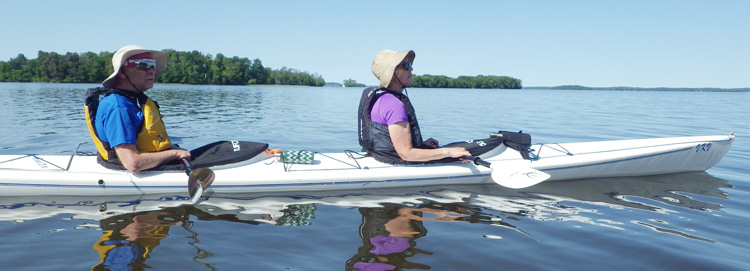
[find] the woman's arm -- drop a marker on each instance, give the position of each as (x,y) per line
(401,138)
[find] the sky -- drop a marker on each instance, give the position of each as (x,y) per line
(595,43)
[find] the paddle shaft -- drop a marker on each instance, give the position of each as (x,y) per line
(478,161)
(188,167)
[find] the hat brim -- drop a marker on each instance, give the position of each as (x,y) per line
(128,51)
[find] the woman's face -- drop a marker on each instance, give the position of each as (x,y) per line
(403,73)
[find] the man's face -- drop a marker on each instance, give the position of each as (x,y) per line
(141,70)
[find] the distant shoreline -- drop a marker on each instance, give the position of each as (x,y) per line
(544,88)
(706,89)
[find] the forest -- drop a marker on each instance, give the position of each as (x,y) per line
(479,81)
(442,81)
(196,68)
(192,68)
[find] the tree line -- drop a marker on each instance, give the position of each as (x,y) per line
(195,68)
(579,87)
(192,68)
(479,81)
(352,83)
(442,81)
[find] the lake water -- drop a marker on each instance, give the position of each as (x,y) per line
(691,221)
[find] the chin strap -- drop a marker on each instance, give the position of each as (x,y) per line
(402,85)
(136,88)
(403,88)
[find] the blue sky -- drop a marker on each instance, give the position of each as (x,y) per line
(681,43)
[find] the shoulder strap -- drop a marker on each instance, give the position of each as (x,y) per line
(365,106)
(91,105)
(93,96)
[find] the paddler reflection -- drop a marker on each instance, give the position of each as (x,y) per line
(389,233)
(128,239)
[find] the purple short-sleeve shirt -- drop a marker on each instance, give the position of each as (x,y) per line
(388,110)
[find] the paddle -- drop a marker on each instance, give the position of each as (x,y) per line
(512,178)
(198,180)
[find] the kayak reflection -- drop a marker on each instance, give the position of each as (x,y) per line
(393,220)
(671,189)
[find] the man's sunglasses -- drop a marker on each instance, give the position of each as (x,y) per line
(406,65)
(142,64)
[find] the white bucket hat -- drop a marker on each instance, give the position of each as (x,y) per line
(384,65)
(126,52)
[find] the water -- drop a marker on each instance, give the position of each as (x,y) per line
(692,221)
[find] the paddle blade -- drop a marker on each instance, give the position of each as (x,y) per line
(199,180)
(196,194)
(517,178)
(206,176)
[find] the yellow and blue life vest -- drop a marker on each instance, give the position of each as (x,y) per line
(152,137)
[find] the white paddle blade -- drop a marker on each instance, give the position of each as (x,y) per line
(198,181)
(195,197)
(517,178)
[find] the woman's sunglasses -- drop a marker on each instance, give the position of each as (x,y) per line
(406,65)
(142,64)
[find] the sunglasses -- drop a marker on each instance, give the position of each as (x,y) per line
(406,65)
(142,64)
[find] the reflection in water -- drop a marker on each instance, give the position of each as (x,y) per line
(129,238)
(389,233)
(671,189)
(392,219)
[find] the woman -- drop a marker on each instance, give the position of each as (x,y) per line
(388,128)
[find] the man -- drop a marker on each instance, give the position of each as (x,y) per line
(127,127)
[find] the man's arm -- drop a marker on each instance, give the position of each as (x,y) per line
(134,161)
(401,138)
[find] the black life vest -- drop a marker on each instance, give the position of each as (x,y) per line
(375,138)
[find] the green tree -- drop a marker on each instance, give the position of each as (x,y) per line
(352,83)
(258,73)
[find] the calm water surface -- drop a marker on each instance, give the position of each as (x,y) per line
(690,221)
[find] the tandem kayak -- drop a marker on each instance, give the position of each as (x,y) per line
(81,174)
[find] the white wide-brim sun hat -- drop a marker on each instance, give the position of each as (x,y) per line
(126,52)
(384,65)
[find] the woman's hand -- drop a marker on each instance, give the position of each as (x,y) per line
(432,143)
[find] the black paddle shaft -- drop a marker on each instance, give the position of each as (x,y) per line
(188,167)
(479,161)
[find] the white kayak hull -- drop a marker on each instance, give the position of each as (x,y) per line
(82,175)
